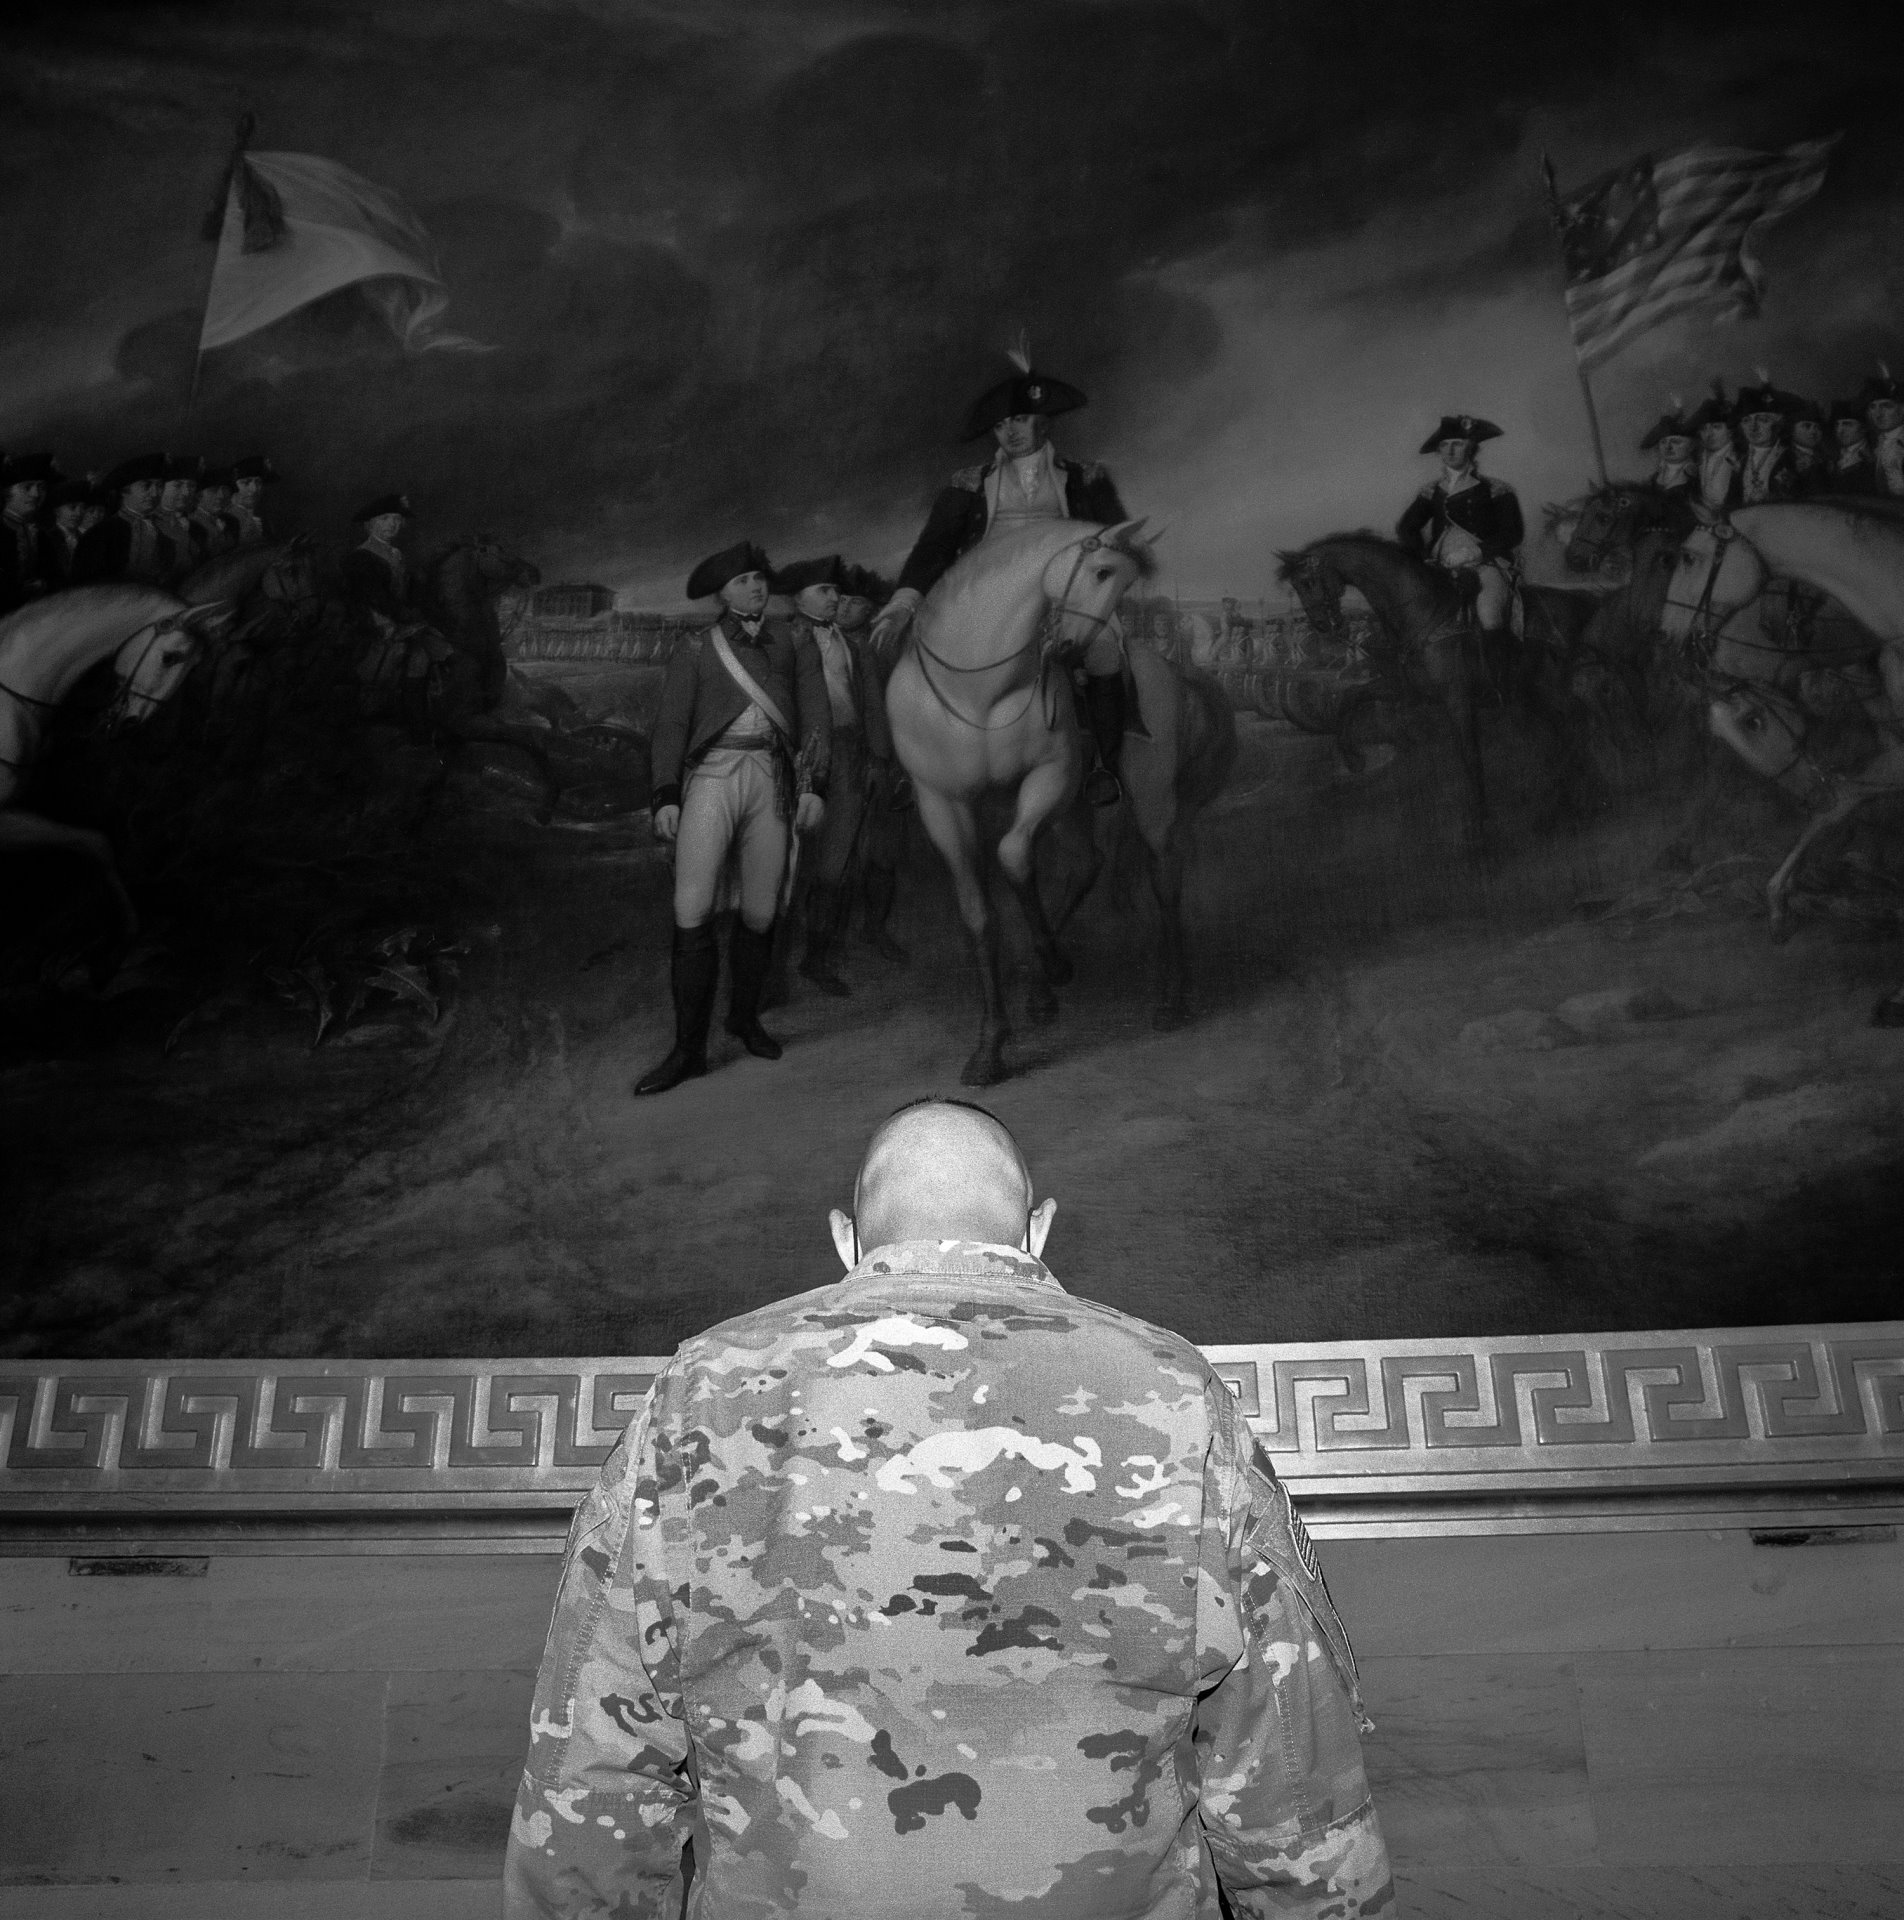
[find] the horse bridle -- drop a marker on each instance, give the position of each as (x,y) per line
(1308,569)
(127,692)
(1701,630)
(1040,638)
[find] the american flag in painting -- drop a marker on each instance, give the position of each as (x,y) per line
(1673,231)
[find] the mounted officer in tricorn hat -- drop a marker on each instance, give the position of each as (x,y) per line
(1760,413)
(1026,479)
(1883,398)
(128,544)
(1467,522)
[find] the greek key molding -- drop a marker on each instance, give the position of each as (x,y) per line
(1403,1419)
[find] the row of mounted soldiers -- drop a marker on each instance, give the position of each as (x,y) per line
(1767,444)
(154,519)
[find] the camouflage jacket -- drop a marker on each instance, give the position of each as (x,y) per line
(941,1592)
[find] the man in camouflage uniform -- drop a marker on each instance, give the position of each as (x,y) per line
(941,1592)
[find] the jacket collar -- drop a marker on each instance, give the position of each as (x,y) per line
(962,1259)
(735,628)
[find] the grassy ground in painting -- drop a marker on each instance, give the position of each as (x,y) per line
(1572,1089)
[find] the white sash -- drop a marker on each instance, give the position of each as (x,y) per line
(748,685)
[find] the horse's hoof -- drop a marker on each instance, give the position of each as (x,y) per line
(1042,1006)
(986,1068)
(1169,1018)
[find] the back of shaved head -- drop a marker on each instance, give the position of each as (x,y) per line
(940,1170)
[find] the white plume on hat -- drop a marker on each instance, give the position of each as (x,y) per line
(1019,352)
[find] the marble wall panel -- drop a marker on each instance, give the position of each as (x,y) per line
(175,1777)
(1741,1756)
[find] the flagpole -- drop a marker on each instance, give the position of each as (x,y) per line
(1579,366)
(214,231)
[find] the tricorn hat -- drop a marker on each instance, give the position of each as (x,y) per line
(718,568)
(1882,385)
(1798,407)
(867,584)
(1027,391)
(385,503)
(144,466)
(1763,398)
(1717,408)
(185,466)
(253,467)
(1670,424)
(19,468)
(1847,410)
(1460,426)
(215,477)
(72,493)
(829,570)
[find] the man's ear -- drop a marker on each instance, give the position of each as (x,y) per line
(1038,1226)
(845,1238)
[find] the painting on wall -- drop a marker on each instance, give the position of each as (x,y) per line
(1307,602)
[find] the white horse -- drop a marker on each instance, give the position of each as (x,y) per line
(978,705)
(152,638)
(1715,605)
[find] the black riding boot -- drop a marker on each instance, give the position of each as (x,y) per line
(877,887)
(694,970)
(823,913)
(748,953)
(1105,713)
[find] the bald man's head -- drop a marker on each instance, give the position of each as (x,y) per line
(943,1171)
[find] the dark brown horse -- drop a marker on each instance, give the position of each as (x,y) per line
(1428,649)
(462,585)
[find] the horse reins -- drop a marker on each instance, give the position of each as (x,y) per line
(1054,609)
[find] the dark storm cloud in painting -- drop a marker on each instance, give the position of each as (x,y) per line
(743,265)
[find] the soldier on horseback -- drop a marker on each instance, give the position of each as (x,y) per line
(1466,522)
(1670,441)
(1851,469)
(128,544)
(1025,480)
(1811,463)
(249,478)
(25,562)
(400,666)
(1767,473)
(1719,460)
(1883,398)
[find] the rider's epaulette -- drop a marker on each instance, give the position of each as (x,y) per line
(1429,491)
(1497,487)
(972,479)
(1091,471)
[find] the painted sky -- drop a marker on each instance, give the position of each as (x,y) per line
(745,264)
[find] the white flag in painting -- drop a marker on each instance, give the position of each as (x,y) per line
(322,227)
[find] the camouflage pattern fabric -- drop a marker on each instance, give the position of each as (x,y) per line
(941,1592)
